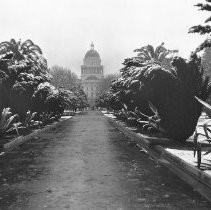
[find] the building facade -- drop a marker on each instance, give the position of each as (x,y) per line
(91,74)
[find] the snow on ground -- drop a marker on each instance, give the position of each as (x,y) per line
(66,117)
(186,153)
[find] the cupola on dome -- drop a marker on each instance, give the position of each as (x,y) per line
(92,52)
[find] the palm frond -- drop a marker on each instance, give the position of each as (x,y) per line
(28,42)
(203,103)
(163,55)
(151,51)
(208,20)
(159,48)
(153,108)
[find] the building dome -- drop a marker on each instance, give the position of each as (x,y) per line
(92,53)
(92,57)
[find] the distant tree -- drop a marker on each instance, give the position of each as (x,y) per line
(63,77)
(203,29)
(109,101)
(105,82)
(160,54)
(79,99)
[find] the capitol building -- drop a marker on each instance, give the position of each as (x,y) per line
(91,74)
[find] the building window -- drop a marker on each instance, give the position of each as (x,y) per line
(92,88)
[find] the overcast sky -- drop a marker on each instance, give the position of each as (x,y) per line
(64,29)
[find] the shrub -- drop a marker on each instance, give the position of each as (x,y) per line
(171,91)
(8,122)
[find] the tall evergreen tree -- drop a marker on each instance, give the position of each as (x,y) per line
(63,77)
(206,61)
(205,28)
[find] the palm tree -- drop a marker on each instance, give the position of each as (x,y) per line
(159,55)
(11,47)
(24,50)
(22,69)
(19,50)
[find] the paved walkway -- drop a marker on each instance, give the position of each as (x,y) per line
(87,164)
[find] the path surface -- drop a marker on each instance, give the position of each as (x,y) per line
(86,164)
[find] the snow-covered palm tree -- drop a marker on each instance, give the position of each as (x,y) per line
(24,50)
(159,54)
(19,49)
